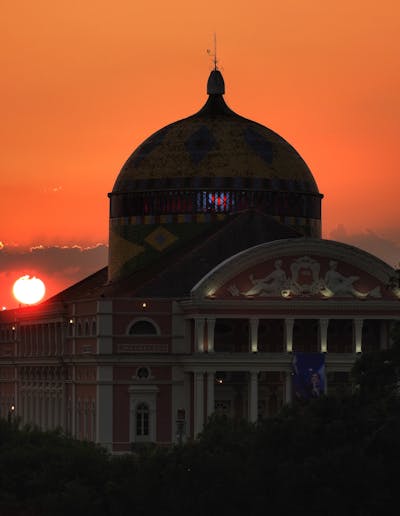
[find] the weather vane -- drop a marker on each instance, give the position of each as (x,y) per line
(214,54)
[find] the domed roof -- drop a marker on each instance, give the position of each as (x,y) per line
(216,143)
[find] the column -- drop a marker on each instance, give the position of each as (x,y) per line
(198,403)
(104,327)
(210,335)
(288,387)
(326,381)
(210,393)
(27,410)
(357,335)
(254,335)
(253,397)
(17,340)
(56,338)
(104,406)
(50,345)
(21,410)
(78,432)
(383,335)
(93,423)
(35,349)
(40,418)
(199,335)
(289,323)
(57,404)
(63,405)
(28,341)
(85,418)
(41,340)
(43,415)
(17,388)
(49,418)
(323,335)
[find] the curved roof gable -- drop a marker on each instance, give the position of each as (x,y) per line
(299,268)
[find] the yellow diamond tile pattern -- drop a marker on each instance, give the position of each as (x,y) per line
(160,238)
(125,251)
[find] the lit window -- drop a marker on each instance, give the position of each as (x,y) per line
(218,200)
(215,201)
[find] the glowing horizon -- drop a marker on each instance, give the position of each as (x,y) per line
(324,76)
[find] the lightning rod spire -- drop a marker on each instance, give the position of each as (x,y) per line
(214,54)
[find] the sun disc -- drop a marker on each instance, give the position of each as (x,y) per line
(29,290)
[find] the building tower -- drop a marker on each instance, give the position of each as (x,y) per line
(189,177)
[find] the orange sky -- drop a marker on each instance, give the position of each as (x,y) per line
(83,83)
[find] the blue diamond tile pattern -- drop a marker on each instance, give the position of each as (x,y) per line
(199,144)
(259,144)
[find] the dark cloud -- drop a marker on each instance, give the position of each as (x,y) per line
(68,260)
(385,248)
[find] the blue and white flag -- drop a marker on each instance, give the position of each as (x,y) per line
(308,375)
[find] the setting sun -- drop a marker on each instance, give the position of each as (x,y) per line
(29,290)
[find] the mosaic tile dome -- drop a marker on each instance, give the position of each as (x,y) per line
(195,175)
(214,143)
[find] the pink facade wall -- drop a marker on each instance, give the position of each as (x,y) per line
(124,378)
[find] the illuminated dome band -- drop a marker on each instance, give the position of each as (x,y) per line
(215,151)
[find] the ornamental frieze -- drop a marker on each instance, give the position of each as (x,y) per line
(303,277)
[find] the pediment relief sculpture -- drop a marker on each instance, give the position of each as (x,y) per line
(305,279)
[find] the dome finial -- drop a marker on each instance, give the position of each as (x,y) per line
(215,84)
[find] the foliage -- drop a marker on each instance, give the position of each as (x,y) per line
(42,470)
(377,374)
(333,455)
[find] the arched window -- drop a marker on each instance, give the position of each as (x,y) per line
(143,327)
(142,420)
(143,373)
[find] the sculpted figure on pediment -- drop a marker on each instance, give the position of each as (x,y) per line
(304,280)
(233,290)
(272,284)
(337,283)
